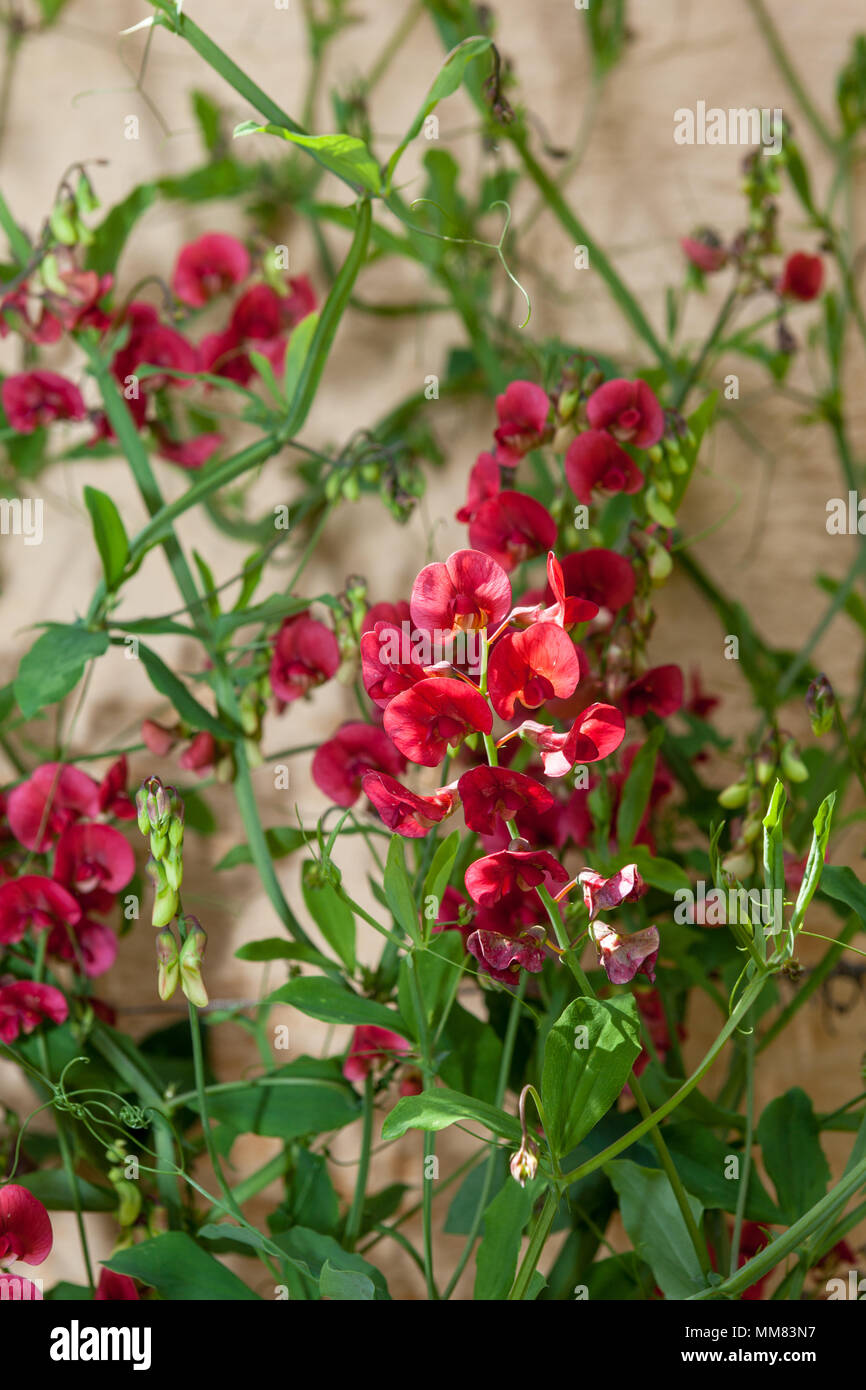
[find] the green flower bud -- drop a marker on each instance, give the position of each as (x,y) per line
(175,832)
(158,844)
(64,223)
(164,907)
(792,764)
(166,955)
(656,454)
(191,953)
(173,864)
(821,704)
(737,794)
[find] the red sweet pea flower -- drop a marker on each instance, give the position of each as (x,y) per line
(434,714)
(564,610)
(299,302)
(113,796)
(595,733)
(79,307)
(208,267)
(157,738)
(403,810)
(305,655)
(31,399)
(115,1288)
(189,453)
(93,858)
(595,460)
(339,765)
(522,412)
(705,252)
(659,689)
(23,1006)
(385,669)
(223,354)
(601,576)
(512,871)
(700,703)
(623,957)
(161,346)
(394,613)
(502,956)
(257,314)
(801,277)
(468,591)
(512,527)
(90,946)
(15,317)
(201,754)
(601,894)
(532,666)
(484,483)
(629,410)
(491,795)
(25,1230)
(372,1047)
(32,901)
(52,797)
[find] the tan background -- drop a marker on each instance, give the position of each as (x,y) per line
(638,192)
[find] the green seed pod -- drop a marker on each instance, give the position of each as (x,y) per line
(656,454)
(737,794)
(164,907)
(191,953)
(173,863)
(129,1205)
(792,764)
(167,957)
(64,223)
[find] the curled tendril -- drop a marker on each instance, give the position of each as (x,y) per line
(474,241)
(133,1116)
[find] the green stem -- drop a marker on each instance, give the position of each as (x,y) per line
(353,1221)
(201,1094)
(540,1232)
(743,1193)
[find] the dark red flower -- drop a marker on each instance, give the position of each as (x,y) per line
(595,460)
(299,302)
(699,702)
(113,796)
(468,591)
(389,663)
(433,715)
(52,797)
(23,1006)
(564,610)
(395,613)
(512,871)
(90,946)
(340,764)
(512,527)
(161,346)
(115,1288)
(371,1048)
(491,795)
(93,859)
(257,314)
(601,894)
(660,689)
(623,957)
(595,734)
(32,399)
(602,576)
(532,666)
(33,901)
(404,811)
(802,276)
(208,267)
(502,957)
(201,754)
(522,411)
(224,354)
(628,409)
(25,1229)
(705,252)
(306,654)
(484,483)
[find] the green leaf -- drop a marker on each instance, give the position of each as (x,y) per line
(659,873)
(345,1285)
(334,919)
(398,890)
(437,968)
(54,1190)
(109,533)
(438,875)
(300,344)
(207,114)
(434,1110)
(698,422)
(701,1160)
(331,1002)
(656,1228)
(277,948)
(842,884)
(317,1250)
(345,155)
(814,862)
(589,1053)
(790,1141)
(55,664)
(504,1222)
(187,706)
(308,1096)
(109,238)
(180,1270)
(636,791)
(447,80)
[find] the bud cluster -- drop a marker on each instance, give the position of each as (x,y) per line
(161,818)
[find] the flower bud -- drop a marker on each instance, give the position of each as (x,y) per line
(821,704)
(173,865)
(792,764)
(165,906)
(191,953)
(166,955)
(737,794)
(158,844)
(524,1163)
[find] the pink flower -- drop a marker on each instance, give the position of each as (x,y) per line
(113,796)
(384,671)
(564,610)
(705,252)
(623,957)
(305,655)
(491,795)
(158,739)
(371,1048)
(34,902)
(600,894)
(394,613)
(25,1230)
(595,460)
(115,1288)
(257,314)
(595,734)
(93,858)
(52,797)
(659,689)
(189,453)
(469,591)
(502,956)
(433,715)
(801,277)
(32,399)
(299,302)
(601,576)
(628,409)
(484,483)
(512,527)
(201,754)
(208,267)
(404,811)
(23,1006)
(532,666)
(340,764)
(91,947)
(522,412)
(223,354)
(512,871)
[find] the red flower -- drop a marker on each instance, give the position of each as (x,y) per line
(601,894)
(595,733)
(502,956)
(511,871)
(189,453)
(659,689)
(385,669)
(602,576)
(484,483)
(705,252)
(532,666)
(209,266)
(595,460)
(113,796)
(25,1230)
(468,591)
(629,410)
(90,946)
(434,714)
(564,610)
(257,314)
(23,1006)
(201,754)
(115,1288)
(372,1047)
(802,276)
(32,399)
(522,412)
(404,811)
(699,702)
(623,957)
(512,527)
(53,797)
(93,858)
(158,739)
(15,317)
(491,795)
(394,613)
(161,346)
(223,354)
(305,655)
(300,301)
(32,901)
(339,765)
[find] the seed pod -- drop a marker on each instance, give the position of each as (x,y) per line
(191,953)
(737,794)
(792,764)
(166,954)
